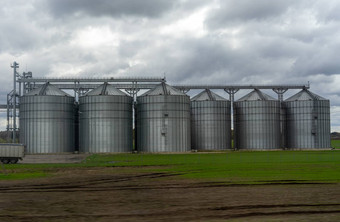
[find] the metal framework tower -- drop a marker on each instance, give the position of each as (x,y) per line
(12,103)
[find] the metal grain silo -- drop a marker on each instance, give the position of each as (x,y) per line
(307,121)
(163,120)
(105,121)
(257,122)
(47,120)
(210,122)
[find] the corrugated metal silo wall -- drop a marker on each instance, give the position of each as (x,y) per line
(210,125)
(283,124)
(163,123)
(105,124)
(308,124)
(76,127)
(47,124)
(257,124)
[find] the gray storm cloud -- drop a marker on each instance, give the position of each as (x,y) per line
(197,42)
(116,8)
(234,12)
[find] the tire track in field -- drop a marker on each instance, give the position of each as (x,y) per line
(86,185)
(229,213)
(98,184)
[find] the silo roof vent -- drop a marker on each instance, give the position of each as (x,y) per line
(47,90)
(208,95)
(304,95)
(256,95)
(163,89)
(106,90)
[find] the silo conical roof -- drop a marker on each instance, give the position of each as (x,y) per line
(208,95)
(107,90)
(304,95)
(256,95)
(163,89)
(47,90)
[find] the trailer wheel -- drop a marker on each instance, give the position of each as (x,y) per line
(5,161)
(14,160)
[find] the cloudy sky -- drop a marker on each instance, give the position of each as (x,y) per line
(188,41)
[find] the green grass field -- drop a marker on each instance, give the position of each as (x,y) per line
(227,167)
(335,144)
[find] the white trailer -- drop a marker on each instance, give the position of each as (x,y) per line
(11,152)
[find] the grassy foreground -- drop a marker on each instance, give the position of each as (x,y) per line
(335,144)
(228,167)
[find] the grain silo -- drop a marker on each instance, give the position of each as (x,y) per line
(257,121)
(105,121)
(47,120)
(307,121)
(163,120)
(210,122)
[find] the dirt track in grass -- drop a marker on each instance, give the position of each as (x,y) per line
(111,194)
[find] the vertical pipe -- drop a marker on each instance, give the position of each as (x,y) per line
(15,66)
(280,92)
(231,93)
(232,128)
(232,118)
(14,100)
(8,136)
(75,91)
(135,124)
(19,89)
(282,144)
(133,93)
(76,126)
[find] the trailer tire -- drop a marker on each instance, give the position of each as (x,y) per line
(14,160)
(5,161)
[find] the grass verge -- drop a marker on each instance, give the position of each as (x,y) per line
(228,167)
(335,144)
